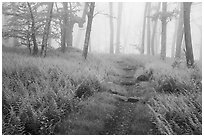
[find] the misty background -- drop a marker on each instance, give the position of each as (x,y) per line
(131,28)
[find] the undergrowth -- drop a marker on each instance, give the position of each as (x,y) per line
(176,107)
(54,95)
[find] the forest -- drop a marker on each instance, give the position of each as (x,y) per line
(102,68)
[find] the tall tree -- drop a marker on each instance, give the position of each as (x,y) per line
(187,33)
(144,28)
(148,28)
(88,28)
(68,18)
(111,27)
(47,29)
(180,32)
(154,28)
(35,47)
(120,7)
(163,33)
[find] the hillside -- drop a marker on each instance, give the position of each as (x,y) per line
(63,94)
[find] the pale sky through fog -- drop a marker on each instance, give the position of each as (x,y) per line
(131,28)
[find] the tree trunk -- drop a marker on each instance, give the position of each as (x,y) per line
(174,39)
(47,29)
(163,34)
(89,45)
(63,39)
(144,28)
(35,46)
(158,39)
(69,35)
(69,26)
(179,33)
(28,38)
(88,29)
(187,33)
(148,28)
(154,30)
(111,28)
(200,57)
(29,44)
(120,6)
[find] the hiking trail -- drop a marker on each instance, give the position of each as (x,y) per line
(132,114)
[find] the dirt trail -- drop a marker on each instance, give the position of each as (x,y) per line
(129,118)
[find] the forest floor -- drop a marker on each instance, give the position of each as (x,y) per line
(63,94)
(130,118)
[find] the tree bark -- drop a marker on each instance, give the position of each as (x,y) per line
(144,28)
(35,46)
(148,29)
(163,34)
(154,30)
(120,6)
(111,27)
(179,33)
(187,33)
(47,29)
(88,29)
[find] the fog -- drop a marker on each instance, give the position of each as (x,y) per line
(131,28)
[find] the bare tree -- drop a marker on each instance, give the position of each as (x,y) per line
(46,29)
(144,28)
(187,33)
(88,28)
(120,7)
(111,27)
(163,33)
